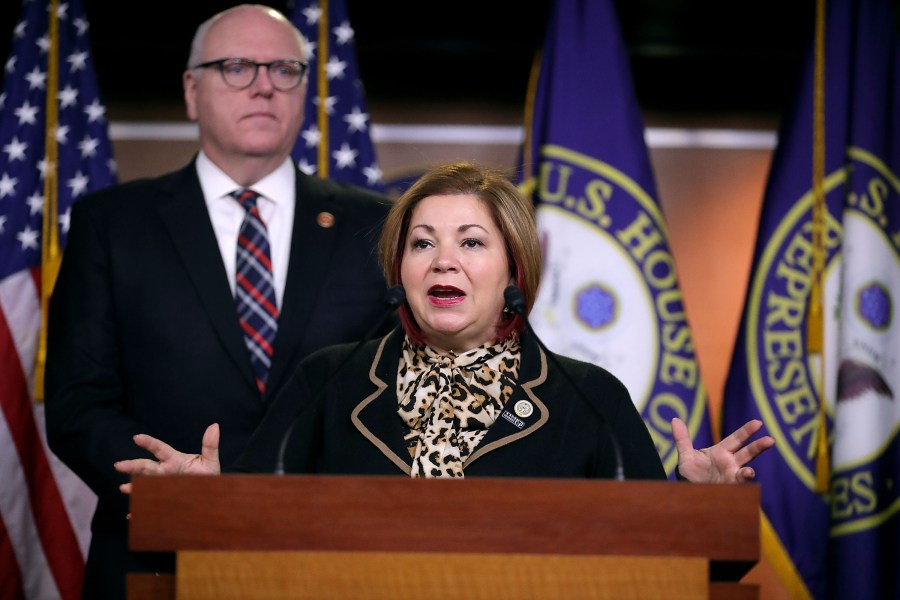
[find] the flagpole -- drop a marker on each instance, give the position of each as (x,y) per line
(815,337)
(322,82)
(51,256)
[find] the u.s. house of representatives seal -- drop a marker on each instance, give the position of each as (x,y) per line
(609,293)
(861,378)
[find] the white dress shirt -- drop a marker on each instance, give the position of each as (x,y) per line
(276,207)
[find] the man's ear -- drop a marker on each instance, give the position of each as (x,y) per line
(189,82)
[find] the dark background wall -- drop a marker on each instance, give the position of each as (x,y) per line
(687,56)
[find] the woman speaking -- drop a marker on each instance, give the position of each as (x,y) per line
(463,388)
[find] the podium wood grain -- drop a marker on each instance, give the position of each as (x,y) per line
(355,522)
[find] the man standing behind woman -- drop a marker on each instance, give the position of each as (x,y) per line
(189,298)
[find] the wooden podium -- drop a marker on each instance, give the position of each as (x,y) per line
(297,536)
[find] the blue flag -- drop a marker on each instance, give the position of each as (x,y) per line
(842,543)
(334,141)
(609,293)
(44,509)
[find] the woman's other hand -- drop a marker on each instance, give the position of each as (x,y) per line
(726,462)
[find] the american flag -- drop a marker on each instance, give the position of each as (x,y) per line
(334,141)
(44,508)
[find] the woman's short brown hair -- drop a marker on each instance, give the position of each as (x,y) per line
(512,212)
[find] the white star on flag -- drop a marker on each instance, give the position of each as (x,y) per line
(15,149)
(356,120)
(343,33)
(27,114)
(77,60)
(88,146)
(35,203)
(29,239)
(346,156)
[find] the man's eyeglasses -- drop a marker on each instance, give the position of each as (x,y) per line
(241,72)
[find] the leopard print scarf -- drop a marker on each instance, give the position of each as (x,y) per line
(447,402)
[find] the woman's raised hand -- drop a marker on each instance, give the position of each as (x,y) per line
(726,461)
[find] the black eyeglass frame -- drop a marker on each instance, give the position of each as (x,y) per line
(221,62)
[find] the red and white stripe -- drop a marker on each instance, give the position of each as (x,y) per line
(45,509)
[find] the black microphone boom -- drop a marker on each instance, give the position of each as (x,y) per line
(393,298)
(516,302)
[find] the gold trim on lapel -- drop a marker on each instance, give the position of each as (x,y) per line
(357,422)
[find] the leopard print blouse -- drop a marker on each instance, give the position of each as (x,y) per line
(447,402)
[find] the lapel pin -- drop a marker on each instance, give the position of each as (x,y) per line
(524,408)
(325,219)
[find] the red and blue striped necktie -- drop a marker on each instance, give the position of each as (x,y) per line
(254,293)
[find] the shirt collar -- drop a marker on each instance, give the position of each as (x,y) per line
(277,186)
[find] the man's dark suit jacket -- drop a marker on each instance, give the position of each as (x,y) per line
(144,335)
(347,423)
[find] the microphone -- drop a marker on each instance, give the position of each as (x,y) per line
(393,298)
(516,302)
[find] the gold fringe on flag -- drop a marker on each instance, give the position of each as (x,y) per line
(815,342)
(51,254)
(322,81)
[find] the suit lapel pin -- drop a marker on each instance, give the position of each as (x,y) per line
(325,219)
(524,408)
